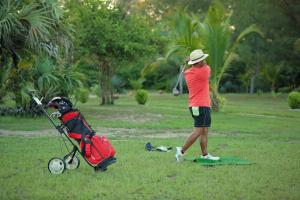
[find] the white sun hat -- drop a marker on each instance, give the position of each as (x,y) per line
(196,56)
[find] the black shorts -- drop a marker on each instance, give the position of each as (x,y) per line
(201,116)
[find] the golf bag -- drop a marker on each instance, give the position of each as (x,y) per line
(96,149)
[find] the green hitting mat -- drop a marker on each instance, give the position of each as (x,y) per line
(222,161)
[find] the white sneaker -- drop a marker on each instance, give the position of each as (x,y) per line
(179,155)
(210,157)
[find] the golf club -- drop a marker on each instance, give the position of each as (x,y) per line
(175,91)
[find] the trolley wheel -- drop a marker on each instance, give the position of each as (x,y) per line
(56,166)
(71,163)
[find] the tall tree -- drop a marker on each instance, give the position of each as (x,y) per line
(159,10)
(110,39)
(28,28)
(215,36)
(279,21)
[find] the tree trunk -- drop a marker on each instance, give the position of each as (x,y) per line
(273,86)
(2,94)
(254,75)
(105,84)
(252,83)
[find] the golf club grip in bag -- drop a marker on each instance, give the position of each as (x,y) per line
(94,148)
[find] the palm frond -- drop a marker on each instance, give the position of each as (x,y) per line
(55,10)
(231,57)
(185,33)
(216,14)
(8,22)
(177,49)
(39,25)
(36,26)
(152,66)
(24,96)
(216,40)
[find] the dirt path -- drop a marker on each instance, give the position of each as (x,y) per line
(111,132)
(35,133)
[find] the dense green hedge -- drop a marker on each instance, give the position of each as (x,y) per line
(294,100)
(141,96)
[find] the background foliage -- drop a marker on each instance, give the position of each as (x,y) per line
(57,47)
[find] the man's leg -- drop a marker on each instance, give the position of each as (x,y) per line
(203,141)
(203,144)
(192,138)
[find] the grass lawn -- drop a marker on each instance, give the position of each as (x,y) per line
(257,128)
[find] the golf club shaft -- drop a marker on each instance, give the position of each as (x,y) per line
(179,77)
(46,113)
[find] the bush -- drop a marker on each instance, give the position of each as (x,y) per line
(32,111)
(294,100)
(259,92)
(82,95)
(275,94)
(7,111)
(141,96)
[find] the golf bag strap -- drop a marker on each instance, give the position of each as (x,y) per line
(85,138)
(92,132)
(79,116)
(87,142)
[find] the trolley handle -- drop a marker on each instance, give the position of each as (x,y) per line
(38,102)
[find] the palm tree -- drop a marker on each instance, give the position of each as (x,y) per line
(214,35)
(184,38)
(35,27)
(184,35)
(271,72)
(27,29)
(48,79)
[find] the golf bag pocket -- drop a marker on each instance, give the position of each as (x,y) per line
(97,150)
(87,150)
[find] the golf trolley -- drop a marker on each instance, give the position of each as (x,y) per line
(71,161)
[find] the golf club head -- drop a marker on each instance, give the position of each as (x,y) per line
(175,91)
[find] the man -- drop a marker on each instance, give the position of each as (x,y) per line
(197,78)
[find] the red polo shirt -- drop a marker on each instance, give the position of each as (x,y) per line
(197,79)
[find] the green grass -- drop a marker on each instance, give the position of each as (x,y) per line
(257,128)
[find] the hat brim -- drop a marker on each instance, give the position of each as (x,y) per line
(191,62)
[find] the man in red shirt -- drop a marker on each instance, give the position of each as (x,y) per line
(197,79)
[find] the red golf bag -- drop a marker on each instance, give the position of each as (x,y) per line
(96,149)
